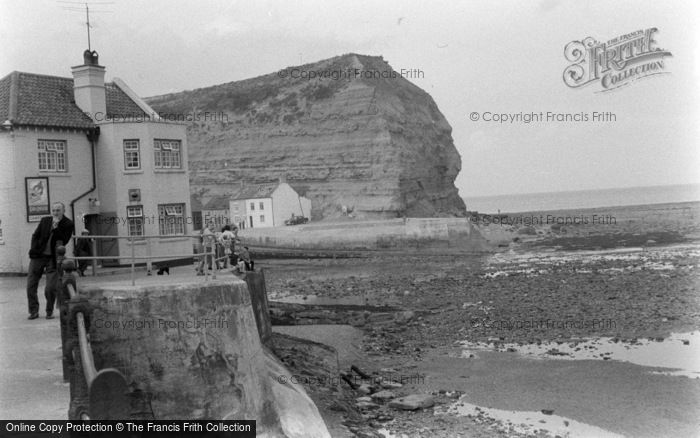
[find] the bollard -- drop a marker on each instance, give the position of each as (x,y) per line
(261,309)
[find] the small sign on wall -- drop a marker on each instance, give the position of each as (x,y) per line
(38,203)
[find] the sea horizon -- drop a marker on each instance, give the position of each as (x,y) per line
(592,198)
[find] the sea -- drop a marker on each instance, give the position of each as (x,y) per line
(584,199)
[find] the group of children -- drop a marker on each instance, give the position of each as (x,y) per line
(223,245)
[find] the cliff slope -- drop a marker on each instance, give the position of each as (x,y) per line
(359,136)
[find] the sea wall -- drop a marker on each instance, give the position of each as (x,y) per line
(409,233)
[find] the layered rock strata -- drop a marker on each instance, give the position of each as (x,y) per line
(356,135)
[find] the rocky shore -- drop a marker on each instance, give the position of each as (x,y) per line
(524,295)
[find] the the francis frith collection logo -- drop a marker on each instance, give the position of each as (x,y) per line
(616,62)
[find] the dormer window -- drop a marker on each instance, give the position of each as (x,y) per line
(167,154)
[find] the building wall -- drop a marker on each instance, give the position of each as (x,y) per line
(261,217)
(286,201)
(220,217)
(19,152)
(157,186)
(238,213)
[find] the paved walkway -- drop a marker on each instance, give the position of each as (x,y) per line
(31,373)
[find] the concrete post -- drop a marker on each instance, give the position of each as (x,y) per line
(258,295)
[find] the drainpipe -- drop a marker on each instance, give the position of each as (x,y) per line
(92,135)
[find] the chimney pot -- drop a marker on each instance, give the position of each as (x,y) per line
(90,58)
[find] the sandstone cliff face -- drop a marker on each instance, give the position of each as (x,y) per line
(376,144)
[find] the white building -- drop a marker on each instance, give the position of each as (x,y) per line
(267,205)
(97,147)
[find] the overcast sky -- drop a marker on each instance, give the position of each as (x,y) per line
(477,56)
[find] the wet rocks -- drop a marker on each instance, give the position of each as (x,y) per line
(383,396)
(364,405)
(413,402)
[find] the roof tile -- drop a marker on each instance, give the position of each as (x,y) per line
(43,100)
(255,191)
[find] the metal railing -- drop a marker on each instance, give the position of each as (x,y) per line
(149,257)
(95,394)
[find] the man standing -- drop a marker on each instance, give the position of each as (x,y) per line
(42,256)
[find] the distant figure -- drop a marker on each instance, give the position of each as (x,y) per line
(52,231)
(347,211)
(83,248)
(226,241)
(245,257)
(236,241)
(208,246)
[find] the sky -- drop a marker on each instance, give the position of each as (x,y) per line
(477,57)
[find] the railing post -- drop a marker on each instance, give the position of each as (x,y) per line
(93,243)
(204,266)
(133,268)
(215,261)
(149,262)
(62,296)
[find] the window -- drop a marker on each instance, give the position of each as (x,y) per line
(235,207)
(52,156)
(252,206)
(167,154)
(134,215)
(171,219)
(262,206)
(262,218)
(132,156)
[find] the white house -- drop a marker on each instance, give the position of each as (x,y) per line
(102,151)
(267,205)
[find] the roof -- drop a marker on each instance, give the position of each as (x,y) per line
(217,203)
(255,191)
(43,100)
(195,205)
(120,105)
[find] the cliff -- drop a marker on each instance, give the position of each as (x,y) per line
(372,141)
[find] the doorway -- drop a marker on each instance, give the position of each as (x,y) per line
(104,225)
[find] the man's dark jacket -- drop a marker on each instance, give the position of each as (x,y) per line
(63,232)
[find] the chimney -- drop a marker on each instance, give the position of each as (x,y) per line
(89,87)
